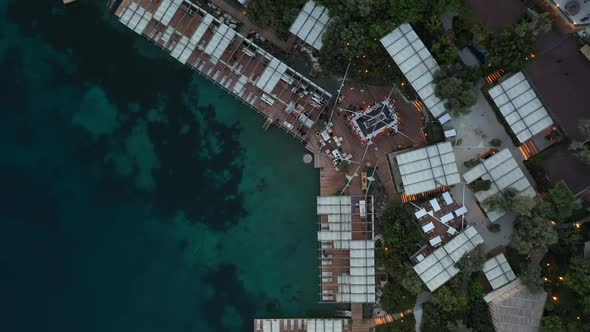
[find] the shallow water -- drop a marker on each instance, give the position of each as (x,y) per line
(135,195)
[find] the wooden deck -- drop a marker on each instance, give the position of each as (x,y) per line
(230,60)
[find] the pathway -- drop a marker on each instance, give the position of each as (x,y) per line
(475,130)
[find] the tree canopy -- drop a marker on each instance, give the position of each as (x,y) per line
(358,25)
(457,85)
(578,279)
(510,200)
(511,48)
(278,15)
(533,233)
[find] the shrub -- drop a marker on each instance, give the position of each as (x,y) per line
(481,185)
(496,142)
(472,162)
(494,228)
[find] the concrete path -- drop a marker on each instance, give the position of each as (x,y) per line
(248,26)
(420,299)
(476,129)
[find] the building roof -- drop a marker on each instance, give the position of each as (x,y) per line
(311,23)
(439,267)
(348,249)
(498,271)
(560,75)
(521,107)
(504,172)
(428,168)
(515,308)
(417,64)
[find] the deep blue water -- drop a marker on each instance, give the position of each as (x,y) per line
(134,194)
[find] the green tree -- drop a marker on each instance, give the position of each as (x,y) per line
(552,324)
(481,185)
(410,281)
(533,233)
(444,51)
(584,126)
(396,299)
(456,84)
(533,23)
(510,200)
(470,263)
(530,275)
(448,301)
(458,326)
(278,15)
(578,279)
(564,202)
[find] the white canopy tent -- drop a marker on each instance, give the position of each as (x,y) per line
(520,106)
(439,267)
(428,168)
(503,171)
(498,271)
(417,64)
(310,24)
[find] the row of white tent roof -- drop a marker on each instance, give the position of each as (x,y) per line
(416,63)
(439,267)
(520,106)
(358,286)
(300,324)
(137,18)
(310,24)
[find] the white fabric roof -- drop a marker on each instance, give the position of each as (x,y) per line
(310,24)
(325,325)
(498,271)
(521,107)
(271,75)
(417,64)
(334,205)
(439,267)
(428,168)
(220,41)
(504,172)
(166,10)
(359,286)
(136,18)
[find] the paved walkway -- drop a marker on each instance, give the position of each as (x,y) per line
(476,130)
(248,26)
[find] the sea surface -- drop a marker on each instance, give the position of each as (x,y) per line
(134,194)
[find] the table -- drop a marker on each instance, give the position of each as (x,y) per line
(435,241)
(428,227)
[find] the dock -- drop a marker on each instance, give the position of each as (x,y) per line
(229,59)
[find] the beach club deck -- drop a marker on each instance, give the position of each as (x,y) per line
(232,61)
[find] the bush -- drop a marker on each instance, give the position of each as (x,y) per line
(344,166)
(481,185)
(396,299)
(494,228)
(457,85)
(496,142)
(472,162)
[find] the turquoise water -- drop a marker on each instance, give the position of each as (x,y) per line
(135,195)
